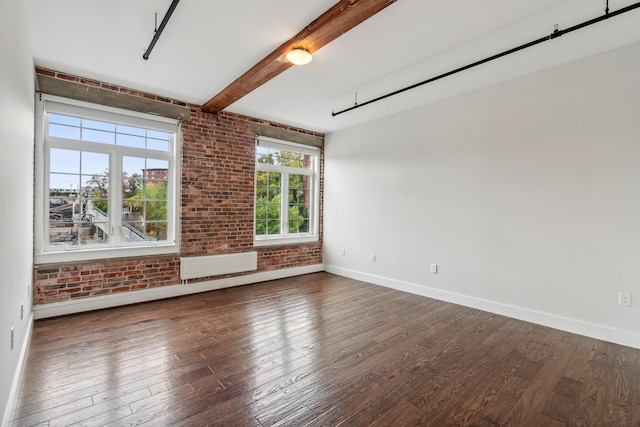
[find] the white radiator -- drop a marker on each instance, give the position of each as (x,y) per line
(216,265)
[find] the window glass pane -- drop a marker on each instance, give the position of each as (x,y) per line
(73,222)
(273,226)
(133,185)
(64,161)
(147,170)
(158,135)
(131,130)
(157,140)
(62,233)
(282,157)
(142,231)
(145,207)
(96,125)
(63,131)
(63,183)
(133,165)
(157,144)
(299,203)
(96,192)
(130,140)
(94,163)
(92,231)
(157,230)
(94,223)
(291,159)
(133,231)
(99,136)
(64,126)
(72,217)
(156,210)
(263,155)
(157,164)
(101,132)
(63,207)
(108,133)
(268,198)
(64,120)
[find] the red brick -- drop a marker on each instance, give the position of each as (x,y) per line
(217,181)
(45,72)
(67,77)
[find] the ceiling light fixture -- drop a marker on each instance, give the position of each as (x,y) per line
(299,56)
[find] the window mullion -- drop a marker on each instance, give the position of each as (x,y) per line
(171,187)
(45,192)
(284,204)
(115,198)
(314,187)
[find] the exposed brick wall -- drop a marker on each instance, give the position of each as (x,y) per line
(217,184)
(61,282)
(217,190)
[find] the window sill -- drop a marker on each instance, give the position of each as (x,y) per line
(281,241)
(104,253)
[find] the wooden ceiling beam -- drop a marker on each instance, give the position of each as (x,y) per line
(340,18)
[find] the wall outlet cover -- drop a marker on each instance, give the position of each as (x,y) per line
(624,298)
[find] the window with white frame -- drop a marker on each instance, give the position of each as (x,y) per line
(106,182)
(287,192)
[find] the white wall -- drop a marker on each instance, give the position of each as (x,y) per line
(526,195)
(16,182)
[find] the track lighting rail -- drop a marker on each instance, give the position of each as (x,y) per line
(555,34)
(158,31)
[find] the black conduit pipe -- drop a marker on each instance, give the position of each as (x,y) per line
(556,33)
(156,34)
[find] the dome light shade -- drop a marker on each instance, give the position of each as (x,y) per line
(299,56)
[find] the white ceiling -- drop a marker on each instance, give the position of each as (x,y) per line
(207,44)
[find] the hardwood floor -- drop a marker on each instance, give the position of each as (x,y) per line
(319,350)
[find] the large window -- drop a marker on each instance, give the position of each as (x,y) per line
(106,182)
(287,192)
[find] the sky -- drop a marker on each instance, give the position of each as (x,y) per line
(71,169)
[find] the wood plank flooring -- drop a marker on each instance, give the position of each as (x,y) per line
(319,350)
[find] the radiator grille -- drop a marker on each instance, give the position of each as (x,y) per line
(215,265)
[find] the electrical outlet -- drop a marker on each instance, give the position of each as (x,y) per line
(624,298)
(342,251)
(13,337)
(21,310)
(28,290)
(372,257)
(434,268)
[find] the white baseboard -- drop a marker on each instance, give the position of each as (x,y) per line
(43,311)
(605,333)
(11,401)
